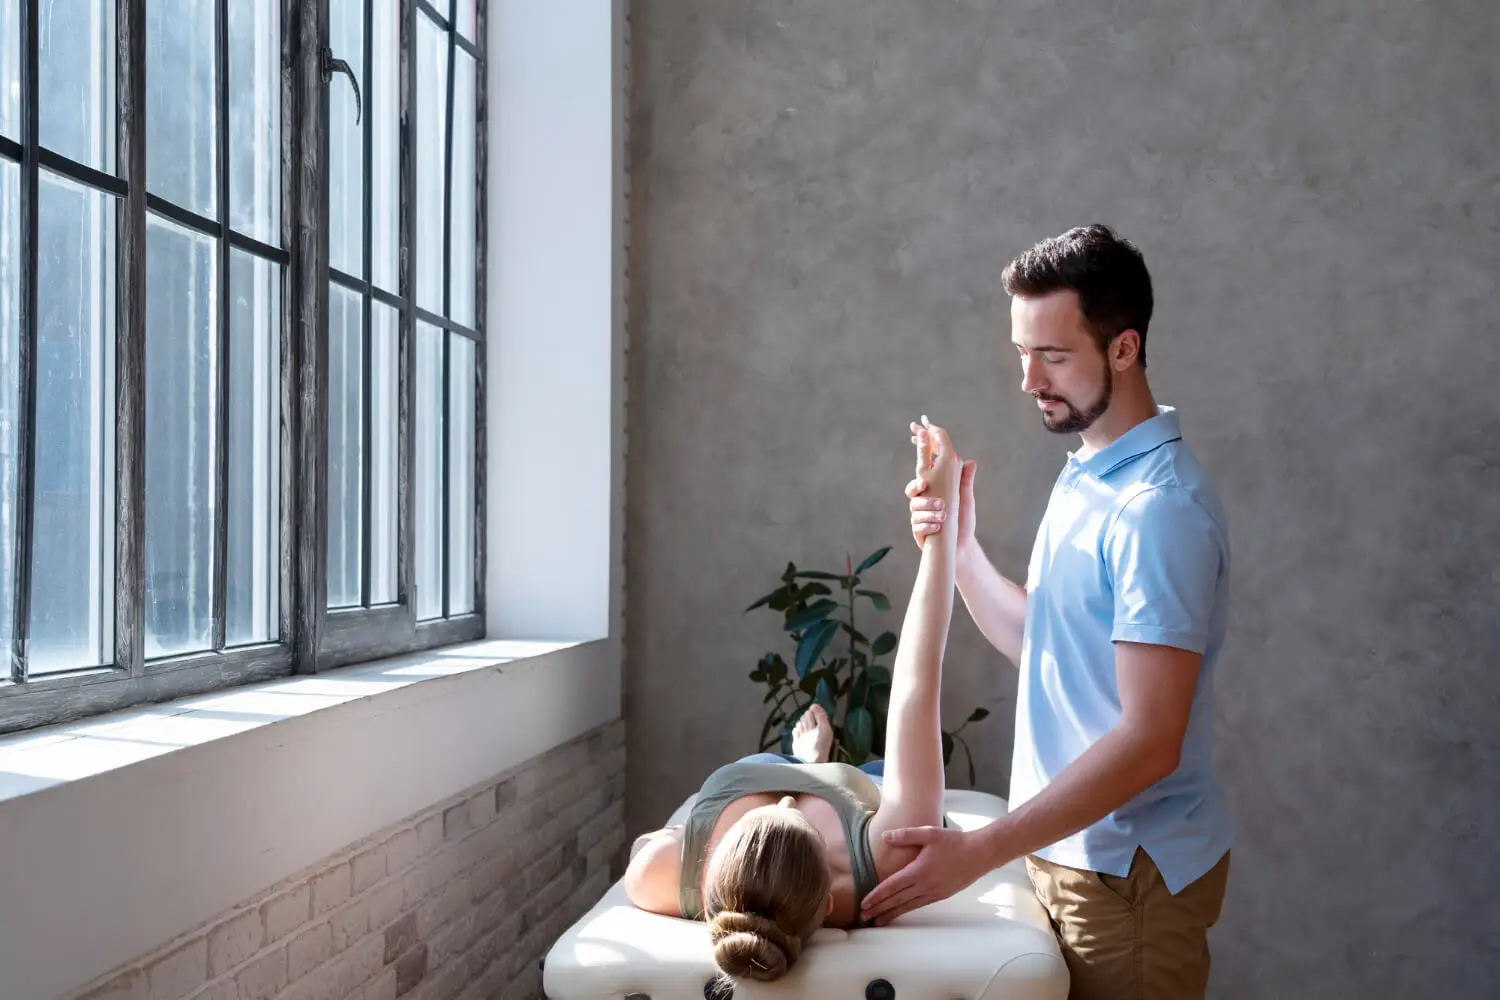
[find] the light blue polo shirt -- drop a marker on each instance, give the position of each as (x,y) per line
(1134,546)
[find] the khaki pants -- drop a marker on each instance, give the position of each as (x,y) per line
(1129,937)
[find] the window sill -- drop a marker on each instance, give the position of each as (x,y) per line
(54,755)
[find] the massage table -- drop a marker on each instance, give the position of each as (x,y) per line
(992,941)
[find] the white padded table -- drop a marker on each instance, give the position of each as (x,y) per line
(990,942)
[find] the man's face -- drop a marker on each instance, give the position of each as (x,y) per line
(1061,365)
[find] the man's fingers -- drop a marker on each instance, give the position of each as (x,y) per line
(966,478)
(916,487)
(926,503)
(881,896)
(911,836)
(907,899)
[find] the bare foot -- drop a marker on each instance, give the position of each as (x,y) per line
(812,737)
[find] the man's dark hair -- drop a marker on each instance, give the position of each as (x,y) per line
(1107,272)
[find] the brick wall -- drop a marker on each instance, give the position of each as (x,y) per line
(456,903)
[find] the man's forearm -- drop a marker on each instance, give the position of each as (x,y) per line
(997,605)
(1120,766)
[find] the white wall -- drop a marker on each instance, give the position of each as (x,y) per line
(109,857)
(554,158)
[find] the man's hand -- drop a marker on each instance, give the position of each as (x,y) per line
(950,860)
(929,514)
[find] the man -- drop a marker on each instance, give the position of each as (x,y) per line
(1114,804)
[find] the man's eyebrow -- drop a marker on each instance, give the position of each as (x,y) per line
(1045,347)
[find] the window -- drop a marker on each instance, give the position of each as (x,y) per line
(240,342)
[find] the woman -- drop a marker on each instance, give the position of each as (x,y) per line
(774,848)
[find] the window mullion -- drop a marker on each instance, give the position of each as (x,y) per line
(218,596)
(480,346)
(446,563)
(406,576)
(130,342)
(367,458)
(311,333)
(26,422)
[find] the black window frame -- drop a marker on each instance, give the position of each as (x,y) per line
(311,637)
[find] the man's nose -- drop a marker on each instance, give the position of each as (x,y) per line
(1031,376)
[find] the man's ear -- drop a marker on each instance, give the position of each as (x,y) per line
(828,910)
(1124,349)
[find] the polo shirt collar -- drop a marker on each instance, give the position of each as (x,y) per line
(1148,435)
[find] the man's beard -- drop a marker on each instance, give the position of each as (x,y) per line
(1076,421)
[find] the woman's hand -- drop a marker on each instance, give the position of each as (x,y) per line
(938,466)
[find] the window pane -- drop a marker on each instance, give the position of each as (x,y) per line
(10,390)
(255,119)
(254,557)
(463,17)
(385,388)
(346,143)
(76,81)
(441,6)
(345,447)
(427,476)
(72,559)
(460,474)
(432,178)
(181,154)
(464,186)
(10,74)
(385,111)
(181,304)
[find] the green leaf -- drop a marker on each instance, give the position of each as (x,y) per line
(813,643)
(884,643)
(775,668)
(757,675)
(872,559)
(947,748)
(880,700)
(861,690)
(859,732)
(812,613)
(782,600)
(977,715)
(880,675)
(824,697)
(855,633)
(764,600)
(816,574)
(813,590)
(881,602)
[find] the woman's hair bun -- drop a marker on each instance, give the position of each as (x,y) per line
(748,946)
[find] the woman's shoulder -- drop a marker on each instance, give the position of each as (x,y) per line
(652,877)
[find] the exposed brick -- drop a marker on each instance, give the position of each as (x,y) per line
(308,950)
(350,923)
(223,989)
(400,852)
(330,890)
(482,808)
(285,913)
(440,908)
(400,936)
(385,906)
(181,972)
(234,941)
(456,821)
(417,884)
(429,834)
(383,987)
(446,866)
(452,940)
(265,977)
(505,794)
(368,868)
(130,986)
(410,968)
(491,875)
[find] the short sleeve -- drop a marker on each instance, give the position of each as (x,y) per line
(1165,556)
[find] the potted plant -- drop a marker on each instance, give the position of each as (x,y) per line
(834,663)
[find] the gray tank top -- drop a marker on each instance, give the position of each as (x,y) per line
(854,797)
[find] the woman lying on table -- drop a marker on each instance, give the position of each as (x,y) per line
(777,846)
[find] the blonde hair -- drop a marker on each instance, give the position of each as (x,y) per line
(766,892)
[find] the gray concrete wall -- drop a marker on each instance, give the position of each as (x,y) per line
(824,196)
